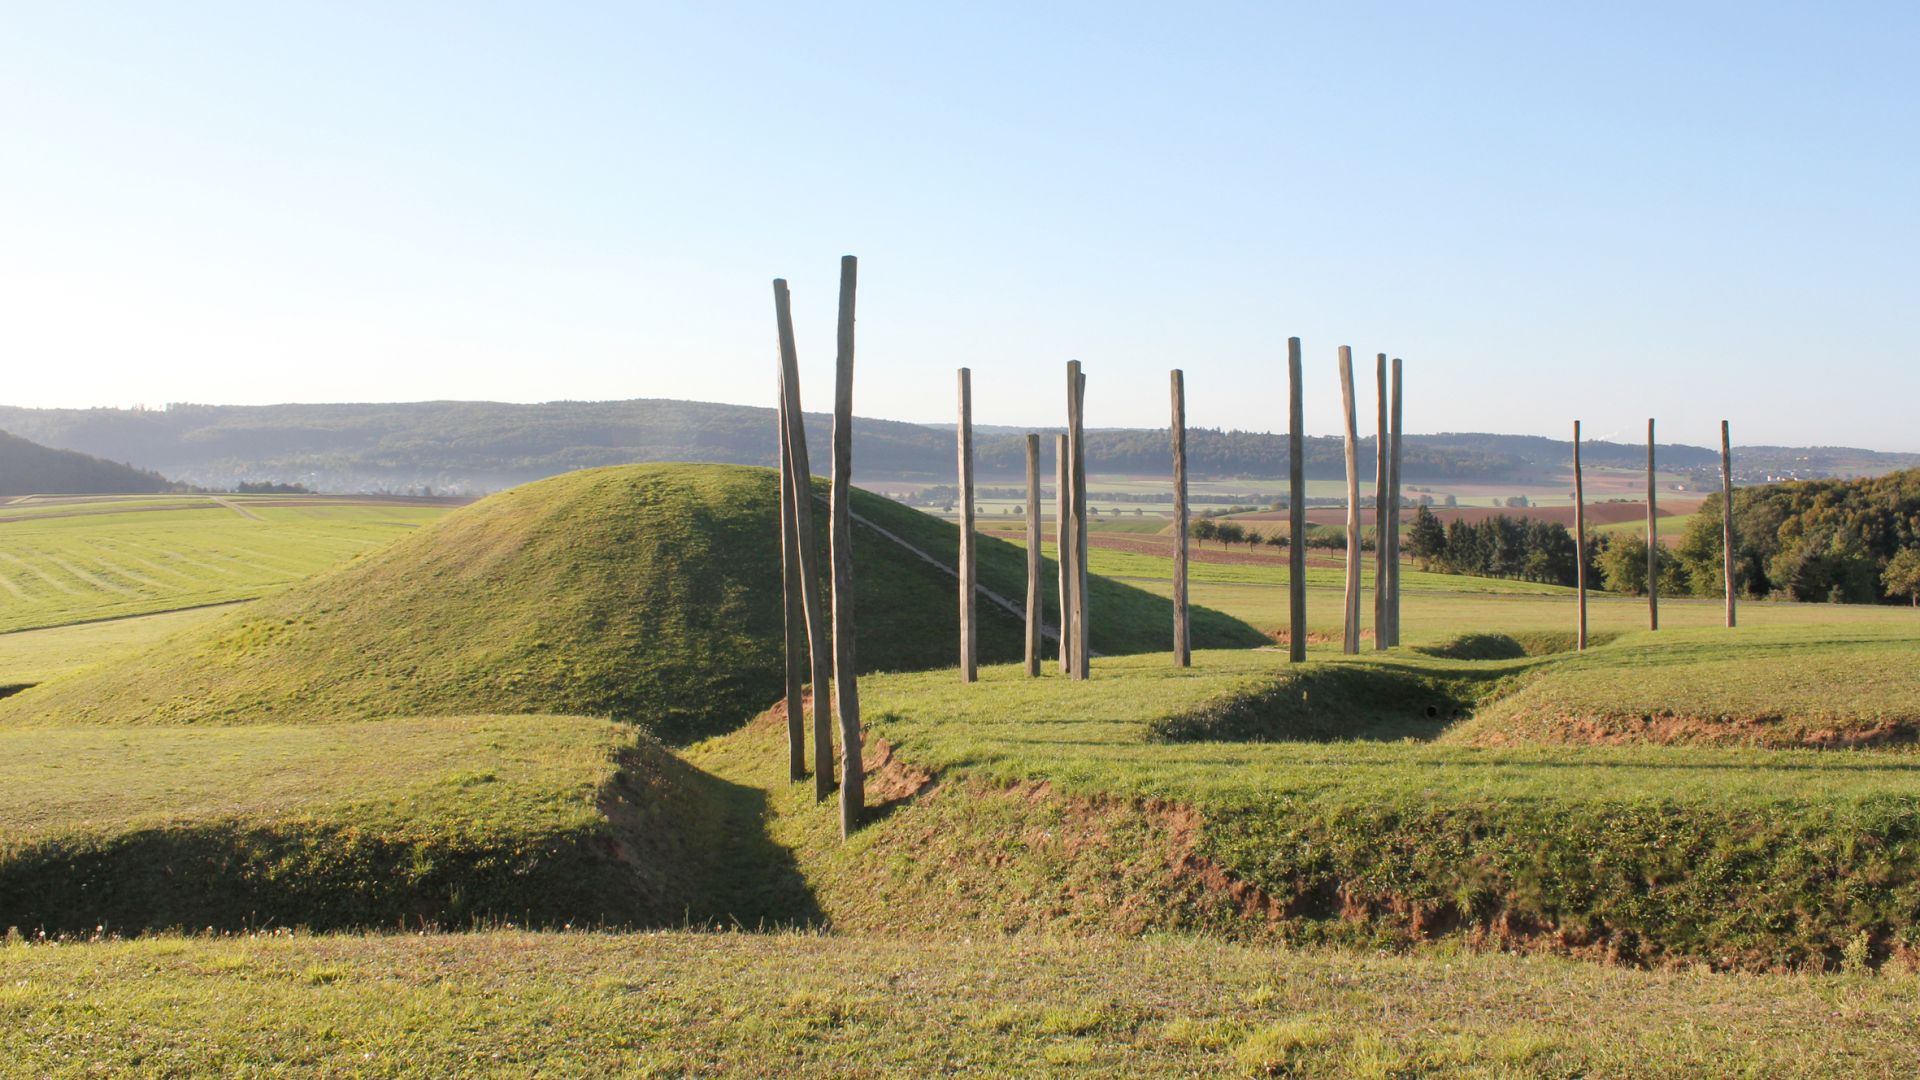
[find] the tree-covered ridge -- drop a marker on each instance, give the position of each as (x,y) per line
(27,468)
(478,446)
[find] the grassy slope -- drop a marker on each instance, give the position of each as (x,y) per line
(441,820)
(1737,857)
(648,593)
(1780,686)
(698,1004)
(117,557)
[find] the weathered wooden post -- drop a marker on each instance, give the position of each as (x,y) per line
(1726,516)
(846,683)
(1033,555)
(1062,549)
(1182,636)
(1296,510)
(969,634)
(795,624)
(1382,577)
(1393,518)
(1653,540)
(1579,538)
(801,481)
(1082,633)
(1350,632)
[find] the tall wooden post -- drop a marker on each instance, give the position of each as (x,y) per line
(1393,514)
(1350,632)
(1182,636)
(1063,548)
(1296,510)
(1726,516)
(969,633)
(1653,539)
(846,683)
(1033,555)
(795,623)
(1082,633)
(1579,538)
(800,477)
(1382,578)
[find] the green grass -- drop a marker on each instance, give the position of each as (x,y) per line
(1736,857)
(33,656)
(435,821)
(678,1004)
(648,593)
(109,557)
(1758,685)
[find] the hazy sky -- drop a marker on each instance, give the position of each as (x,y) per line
(1685,211)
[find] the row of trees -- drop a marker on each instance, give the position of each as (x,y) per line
(1843,541)
(1526,549)
(1230,533)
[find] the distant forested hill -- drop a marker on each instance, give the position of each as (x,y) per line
(476,446)
(27,468)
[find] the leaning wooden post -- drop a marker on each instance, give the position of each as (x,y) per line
(1062,549)
(1653,540)
(795,624)
(1082,630)
(1296,510)
(801,479)
(846,683)
(1393,512)
(1382,578)
(1182,636)
(1033,555)
(1350,631)
(1726,516)
(969,633)
(1579,539)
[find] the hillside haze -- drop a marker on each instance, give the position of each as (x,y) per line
(455,446)
(27,468)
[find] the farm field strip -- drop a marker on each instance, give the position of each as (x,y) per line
(104,564)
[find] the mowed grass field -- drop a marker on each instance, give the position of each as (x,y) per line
(693,1004)
(72,559)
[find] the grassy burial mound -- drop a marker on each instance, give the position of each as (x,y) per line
(432,822)
(648,593)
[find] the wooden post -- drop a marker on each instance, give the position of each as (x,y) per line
(1579,538)
(1062,549)
(1350,632)
(1033,555)
(1726,516)
(969,633)
(846,683)
(1296,510)
(1182,636)
(795,624)
(1653,540)
(1393,512)
(1082,633)
(801,478)
(1382,577)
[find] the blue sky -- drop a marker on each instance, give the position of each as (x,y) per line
(1610,212)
